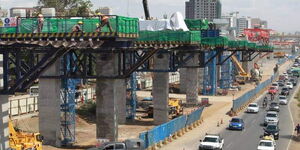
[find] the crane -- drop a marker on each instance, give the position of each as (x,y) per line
(146,9)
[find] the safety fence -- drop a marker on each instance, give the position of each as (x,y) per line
(118,24)
(242,101)
(22,106)
(171,129)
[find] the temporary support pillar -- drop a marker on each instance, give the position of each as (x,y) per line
(4,117)
(161,89)
(192,81)
(210,75)
(49,106)
(182,73)
(111,98)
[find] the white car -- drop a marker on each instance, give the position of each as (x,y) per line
(267,143)
(289,85)
(271,117)
(211,142)
(253,108)
(283,100)
(276,85)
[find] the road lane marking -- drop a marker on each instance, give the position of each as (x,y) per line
(229,145)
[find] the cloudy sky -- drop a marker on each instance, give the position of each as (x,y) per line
(282,15)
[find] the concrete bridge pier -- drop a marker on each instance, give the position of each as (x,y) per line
(160,89)
(111,99)
(4,117)
(182,80)
(49,107)
(192,81)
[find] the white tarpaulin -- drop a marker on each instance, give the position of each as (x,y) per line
(175,23)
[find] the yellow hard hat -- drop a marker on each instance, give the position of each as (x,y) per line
(80,22)
(99,13)
(97,24)
(40,15)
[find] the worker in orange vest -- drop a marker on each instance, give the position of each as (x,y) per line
(104,20)
(40,23)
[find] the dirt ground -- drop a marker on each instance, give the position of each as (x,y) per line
(295,110)
(86,132)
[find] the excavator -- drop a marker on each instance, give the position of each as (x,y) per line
(19,140)
(242,76)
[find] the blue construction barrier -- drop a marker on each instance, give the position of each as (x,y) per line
(164,131)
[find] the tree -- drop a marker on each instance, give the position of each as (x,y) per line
(68,7)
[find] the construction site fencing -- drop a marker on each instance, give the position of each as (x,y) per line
(22,106)
(119,24)
(162,132)
(170,36)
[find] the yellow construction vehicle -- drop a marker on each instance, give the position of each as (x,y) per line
(243,76)
(19,140)
(279,54)
(175,108)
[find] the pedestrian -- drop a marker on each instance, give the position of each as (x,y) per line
(40,23)
(104,20)
(297,129)
(77,27)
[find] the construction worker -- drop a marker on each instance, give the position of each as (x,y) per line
(104,20)
(40,23)
(77,27)
(297,129)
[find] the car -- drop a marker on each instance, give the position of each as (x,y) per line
(285,91)
(289,71)
(211,142)
(275,84)
(293,81)
(281,83)
(289,85)
(272,90)
(274,106)
(236,124)
(272,129)
(283,100)
(267,143)
(271,117)
(282,77)
(253,108)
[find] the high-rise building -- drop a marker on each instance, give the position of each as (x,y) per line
(105,10)
(255,22)
(264,24)
(203,9)
(242,24)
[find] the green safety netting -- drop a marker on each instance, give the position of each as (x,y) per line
(197,24)
(8,30)
(169,36)
(214,41)
(238,44)
(264,47)
(251,45)
(61,25)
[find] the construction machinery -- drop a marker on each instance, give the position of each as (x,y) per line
(175,108)
(242,76)
(279,54)
(19,140)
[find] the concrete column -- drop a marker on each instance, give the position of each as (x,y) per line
(182,73)
(49,107)
(4,116)
(111,98)
(192,81)
(161,89)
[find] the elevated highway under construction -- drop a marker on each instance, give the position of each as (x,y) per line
(55,58)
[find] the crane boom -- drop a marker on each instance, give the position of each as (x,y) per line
(146,9)
(242,72)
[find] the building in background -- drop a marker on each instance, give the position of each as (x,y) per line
(105,10)
(255,22)
(203,9)
(264,24)
(22,12)
(242,23)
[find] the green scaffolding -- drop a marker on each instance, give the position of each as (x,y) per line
(197,24)
(64,25)
(170,36)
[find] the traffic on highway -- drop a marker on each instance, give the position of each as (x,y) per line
(266,123)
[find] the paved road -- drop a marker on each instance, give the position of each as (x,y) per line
(249,138)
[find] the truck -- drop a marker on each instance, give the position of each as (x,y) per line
(211,142)
(130,144)
(19,140)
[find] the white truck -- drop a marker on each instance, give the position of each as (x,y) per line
(211,142)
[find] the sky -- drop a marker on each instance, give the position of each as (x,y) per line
(282,15)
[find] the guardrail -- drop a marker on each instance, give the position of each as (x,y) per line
(176,127)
